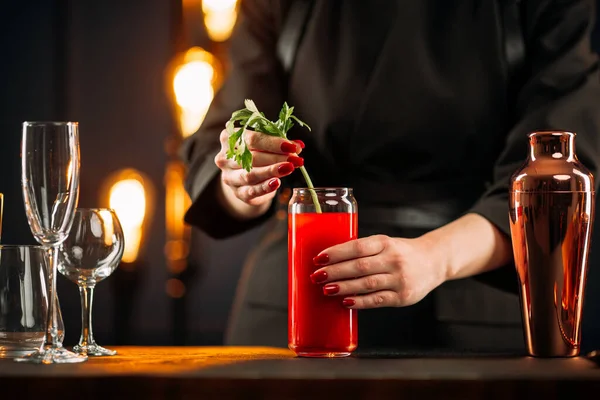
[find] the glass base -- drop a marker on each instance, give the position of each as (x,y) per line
(323,355)
(15,353)
(94,350)
(52,355)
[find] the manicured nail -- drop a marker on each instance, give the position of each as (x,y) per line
(330,289)
(273,183)
(321,259)
(285,169)
(297,161)
(300,143)
(318,277)
(288,147)
(348,302)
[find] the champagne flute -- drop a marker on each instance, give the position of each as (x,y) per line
(90,254)
(50,185)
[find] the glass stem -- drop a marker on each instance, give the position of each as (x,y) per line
(86,293)
(51,323)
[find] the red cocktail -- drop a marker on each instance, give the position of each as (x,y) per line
(318,325)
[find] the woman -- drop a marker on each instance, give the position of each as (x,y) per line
(413,106)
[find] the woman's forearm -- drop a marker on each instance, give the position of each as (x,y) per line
(469,246)
(236,207)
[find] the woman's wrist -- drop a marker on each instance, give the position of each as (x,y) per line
(236,207)
(469,246)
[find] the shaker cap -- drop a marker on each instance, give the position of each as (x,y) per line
(552,166)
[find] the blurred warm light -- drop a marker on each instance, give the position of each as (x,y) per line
(128,195)
(127,198)
(109,229)
(70,172)
(219,25)
(218,5)
(175,288)
(219,18)
(193,88)
(177,202)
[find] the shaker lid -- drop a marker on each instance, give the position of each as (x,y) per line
(552,165)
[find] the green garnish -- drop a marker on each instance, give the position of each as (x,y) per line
(251,118)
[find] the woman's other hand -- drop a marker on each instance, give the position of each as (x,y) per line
(378,271)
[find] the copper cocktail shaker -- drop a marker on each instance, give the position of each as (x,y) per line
(551,217)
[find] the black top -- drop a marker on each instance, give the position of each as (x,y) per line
(409,102)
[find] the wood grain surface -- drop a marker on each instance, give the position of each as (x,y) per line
(273,373)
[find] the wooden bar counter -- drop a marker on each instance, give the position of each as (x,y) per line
(272,373)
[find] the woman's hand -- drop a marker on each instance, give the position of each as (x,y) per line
(249,194)
(379,271)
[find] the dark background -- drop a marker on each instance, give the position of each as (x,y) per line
(103,63)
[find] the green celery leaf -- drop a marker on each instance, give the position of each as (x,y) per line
(246,159)
(300,122)
(238,115)
(284,112)
(266,127)
(234,147)
(289,113)
(251,106)
(288,125)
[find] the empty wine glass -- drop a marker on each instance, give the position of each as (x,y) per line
(50,185)
(90,254)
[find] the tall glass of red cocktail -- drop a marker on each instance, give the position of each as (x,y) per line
(318,325)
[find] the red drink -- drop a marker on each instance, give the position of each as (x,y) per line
(318,325)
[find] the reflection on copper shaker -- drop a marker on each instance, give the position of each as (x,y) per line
(551,215)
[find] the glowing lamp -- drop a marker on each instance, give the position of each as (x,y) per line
(219,18)
(177,202)
(128,195)
(193,88)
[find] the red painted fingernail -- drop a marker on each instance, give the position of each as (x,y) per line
(297,161)
(273,183)
(348,302)
(288,147)
(318,277)
(321,259)
(331,289)
(286,168)
(300,143)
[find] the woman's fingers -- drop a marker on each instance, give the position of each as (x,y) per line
(366,284)
(266,151)
(240,177)
(353,249)
(272,158)
(250,193)
(356,268)
(263,142)
(249,185)
(263,159)
(270,144)
(259,159)
(383,298)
